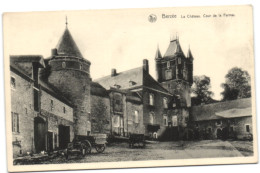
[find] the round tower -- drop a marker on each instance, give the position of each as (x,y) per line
(70,75)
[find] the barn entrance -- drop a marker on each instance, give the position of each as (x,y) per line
(64,136)
(40,134)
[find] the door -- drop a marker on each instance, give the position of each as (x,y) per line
(39,134)
(64,136)
(50,141)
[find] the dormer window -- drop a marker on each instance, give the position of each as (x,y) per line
(151,99)
(63,64)
(131,83)
(117,86)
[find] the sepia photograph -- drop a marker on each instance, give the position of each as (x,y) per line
(127,88)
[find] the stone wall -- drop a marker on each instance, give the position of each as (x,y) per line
(22,104)
(57,108)
(74,84)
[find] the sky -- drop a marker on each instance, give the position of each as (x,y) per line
(121,39)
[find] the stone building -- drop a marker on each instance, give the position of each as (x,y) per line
(42,119)
(61,100)
(223,120)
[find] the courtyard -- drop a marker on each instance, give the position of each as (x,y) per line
(162,151)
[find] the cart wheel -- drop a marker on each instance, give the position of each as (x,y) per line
(100,148)
(85,148)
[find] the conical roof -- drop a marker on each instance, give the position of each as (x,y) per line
(174,47)
(158,54)
(67,45)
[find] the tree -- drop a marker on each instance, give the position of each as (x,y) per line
(237,84)
(201,90)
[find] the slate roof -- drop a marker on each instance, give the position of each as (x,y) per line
(225,109)
(173,48)
(123,79)
(232,113)
(130,80)
(98,90)
(67,45)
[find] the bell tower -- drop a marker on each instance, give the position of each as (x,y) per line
(174,71)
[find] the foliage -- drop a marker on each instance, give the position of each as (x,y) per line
(201,90)
(237,84)
(98,116)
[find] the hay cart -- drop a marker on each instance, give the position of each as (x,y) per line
(82,145)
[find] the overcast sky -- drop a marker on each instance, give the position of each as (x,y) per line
(121,39)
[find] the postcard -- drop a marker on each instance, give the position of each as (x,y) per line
(128,88)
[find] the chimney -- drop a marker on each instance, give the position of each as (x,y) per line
(113,72)
(54,52)
(146,65)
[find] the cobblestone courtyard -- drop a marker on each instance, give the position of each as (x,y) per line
(164,150)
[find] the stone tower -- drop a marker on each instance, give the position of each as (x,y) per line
(70,73)
(175,71)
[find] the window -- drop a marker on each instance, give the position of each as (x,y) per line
(165,120)
(219,122)
(168,74)
(179,60)
(165,102)
(52,107)
(174,121)
(116,121)
(80,66)
(168,64)
(151,99)
(13,84)
(63,64)
(64,109)
(151,118)
(15,122)
(136,117)
(247,128)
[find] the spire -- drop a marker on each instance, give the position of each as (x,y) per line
(66,22)
(67,45)
(189,54)
(158,54)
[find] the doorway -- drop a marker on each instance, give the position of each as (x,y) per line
(39,134)
(219,133)
(64,136)
(50,141)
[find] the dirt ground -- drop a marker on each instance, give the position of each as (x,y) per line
(163,150)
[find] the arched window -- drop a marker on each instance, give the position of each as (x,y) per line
(151,118)
(165,102)
(151,99)
(63,64)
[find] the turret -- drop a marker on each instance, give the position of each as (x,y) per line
(71,75)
